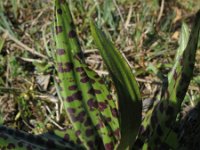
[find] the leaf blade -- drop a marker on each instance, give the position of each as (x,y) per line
(126,87)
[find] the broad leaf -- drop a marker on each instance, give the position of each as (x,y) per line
(130,104)
(87,101)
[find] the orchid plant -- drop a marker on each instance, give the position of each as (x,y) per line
(98,121)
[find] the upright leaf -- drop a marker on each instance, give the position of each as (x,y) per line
(130,104)
(159,122)
(184,37)
(87,102)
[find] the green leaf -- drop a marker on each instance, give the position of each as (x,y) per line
(183,40)
(157,126)
(87,102)
(183,71)
(127,88)
(19,140)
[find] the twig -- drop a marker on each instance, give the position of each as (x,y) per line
(31,60)
(51,120)
(161,10)
(35,20)
(22,45)
(128,17)
(7,89)
(120,14)
(90,51)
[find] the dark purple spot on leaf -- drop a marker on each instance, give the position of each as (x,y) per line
(72,87)
(99,125)
(60,64)
(58,29)
(175,76)
(97,91)
(71,110)
(70,99)
(68,67)
(78,133)
(62,1)
(109,97)
(78,95)
(85,80)
(108,119)
(72,34)
(80,117)
(79,69)
(83,74)
(80,55)
(89,132)
(91,91)
(101,81)
(87,122)
(60,51)
(59,11)
(66,137)
(141,130)
(117,133)
(102,106)
(181,61)
(109,146)
(114,112)
(92,104)
(73,118)
(60,69)
(110,134)
(75,96)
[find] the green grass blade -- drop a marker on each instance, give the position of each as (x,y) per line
(126,86)
(2,41)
